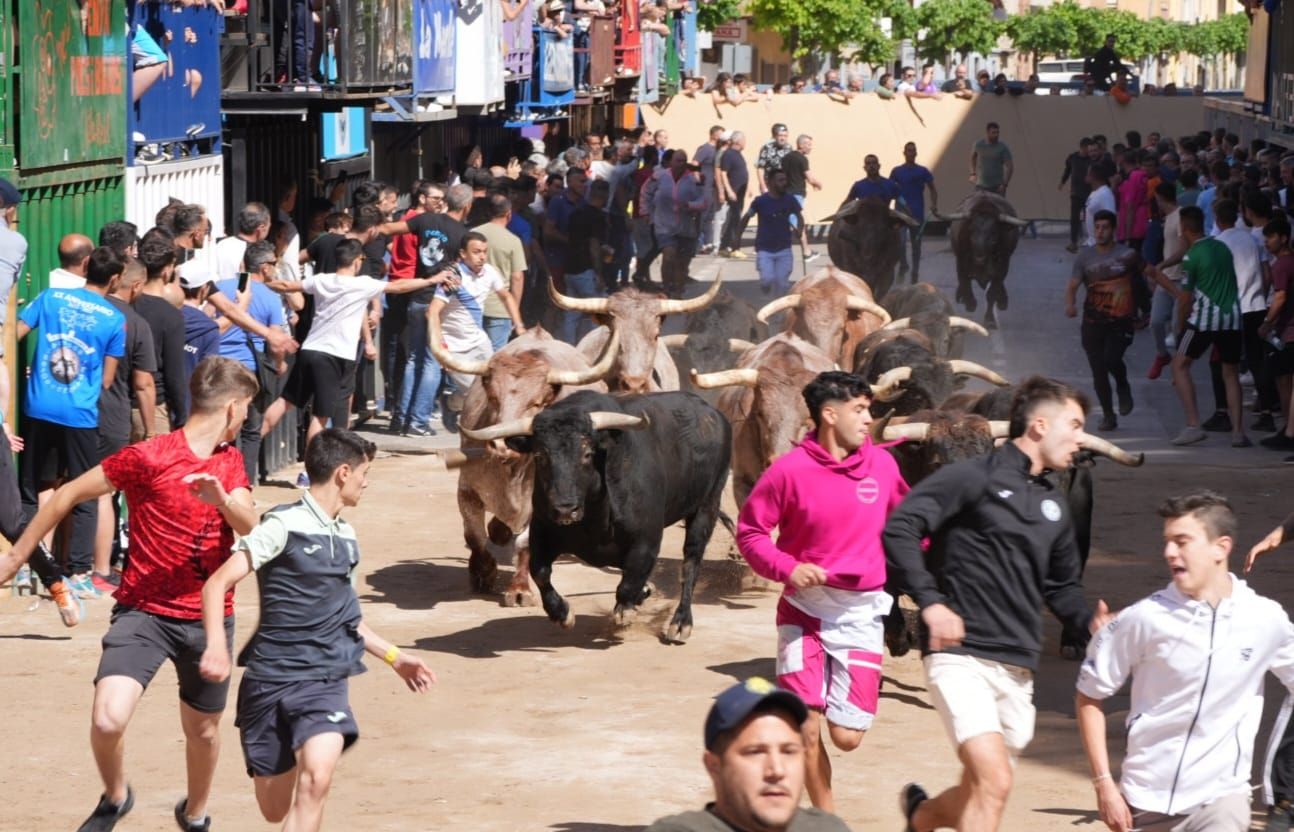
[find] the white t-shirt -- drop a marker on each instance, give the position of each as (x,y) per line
(340,304)
(63,279)
(1173,242)
(460,320)
(229,257)
(1101,199)
(1246,255)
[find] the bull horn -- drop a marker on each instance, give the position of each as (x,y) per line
(447,359)
(678,307)
(589,306)
(953,217)
(595,373)
(901,323)
(999,429)
(895,214)
(744,376)
(858,304)
(673,341)
(916,431)
(966,323)
(610,420)
(1010,220)
(1104,447)
(877,429)
(970,368)
(886,387)
(847,210)
(454,458)
(503,430)
(738,345)
(771,308)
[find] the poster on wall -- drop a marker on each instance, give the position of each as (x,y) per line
(478,53)
(180,99)
(434,30)
(73,82)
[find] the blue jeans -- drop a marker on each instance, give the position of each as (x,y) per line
(498,330)
(774,269)
(421,371)
(580,285)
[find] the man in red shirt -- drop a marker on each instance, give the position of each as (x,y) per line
(188,494)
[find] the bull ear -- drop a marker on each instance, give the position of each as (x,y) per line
(521,444)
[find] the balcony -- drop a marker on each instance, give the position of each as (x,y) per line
(435,37)
(174,95)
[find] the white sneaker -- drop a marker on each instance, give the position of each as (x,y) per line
(1189,436)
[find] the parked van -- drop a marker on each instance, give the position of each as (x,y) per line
(1059,71)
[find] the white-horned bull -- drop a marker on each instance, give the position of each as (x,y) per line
(985,231)
(831,309)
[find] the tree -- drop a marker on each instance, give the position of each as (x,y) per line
(813,29)
(1041,31)
(956,26)
(1164,40)
(714,13)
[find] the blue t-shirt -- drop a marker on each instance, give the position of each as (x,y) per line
(265,308)
(774,212)
(520,226)
(911,181)
(74,330)
(883,188)
(201,338)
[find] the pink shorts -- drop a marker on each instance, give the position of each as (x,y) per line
(829,644)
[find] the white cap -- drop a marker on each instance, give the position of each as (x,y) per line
(194,274)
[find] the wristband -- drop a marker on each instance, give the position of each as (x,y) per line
(1099,778)
(393,653)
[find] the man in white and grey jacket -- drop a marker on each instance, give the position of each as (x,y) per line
(1197,652)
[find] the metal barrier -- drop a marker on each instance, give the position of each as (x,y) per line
(199,181)
(281,446)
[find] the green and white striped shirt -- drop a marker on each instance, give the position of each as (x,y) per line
(1211,276)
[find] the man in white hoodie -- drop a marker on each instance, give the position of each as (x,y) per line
(1197,652)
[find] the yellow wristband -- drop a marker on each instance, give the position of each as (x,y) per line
(392,653)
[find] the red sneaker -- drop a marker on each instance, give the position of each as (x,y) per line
(1160,362)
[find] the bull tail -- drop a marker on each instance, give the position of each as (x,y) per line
(727,523)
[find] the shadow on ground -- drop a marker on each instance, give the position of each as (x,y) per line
(523,634)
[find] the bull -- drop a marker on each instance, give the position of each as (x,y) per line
(924,308)
(713,334)
(915,379)
(522,378)
(610,475)
(642,364)
(985,231)
(831,309)
(763,402)
(866,239)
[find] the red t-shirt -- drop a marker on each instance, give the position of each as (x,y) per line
(176,540)
(404,253)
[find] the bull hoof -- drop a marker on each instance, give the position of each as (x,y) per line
(624,616)
(517,597)
(568,622)
(677,633)
(648,589)
(898,643)
(966,297)
(990,320)
(482,576)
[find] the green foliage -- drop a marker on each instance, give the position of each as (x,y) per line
(812,29)
(956,26)
(712,13)
(1042,32)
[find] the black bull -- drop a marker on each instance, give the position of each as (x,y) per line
(606,495)
(866,240)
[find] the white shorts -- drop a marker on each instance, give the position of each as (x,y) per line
(829,645)
(976,696)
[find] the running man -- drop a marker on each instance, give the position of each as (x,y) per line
(1105,271)
(188,494)
(779,215)
(294,714)
(828,498)
(913,181)
(1196,652)
(1001,544)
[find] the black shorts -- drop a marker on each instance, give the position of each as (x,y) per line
(276,718)
(138,642)
(109,445)
(1282,360)
(1195,342)
(325,380)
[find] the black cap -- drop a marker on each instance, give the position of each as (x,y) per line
(731,707)
(9,194)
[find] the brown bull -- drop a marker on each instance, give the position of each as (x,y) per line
(524,377)
(866,239)
(831,309)
(764,403)
(985,231)
(643,364)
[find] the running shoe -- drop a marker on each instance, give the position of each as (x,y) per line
(737,254)
(1265,422)
(106,584)
(813,255)
(182,818)
(1278,817)
(82,586)
(1125,400)
(1108,423)
(1219,422)
(1241,441)
(107,813)
(415,431)
(910,798)
(1157,366)
(1277,442)
(70,608)
(1189,436)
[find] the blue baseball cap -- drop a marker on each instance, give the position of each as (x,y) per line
(9,194)
(738,702)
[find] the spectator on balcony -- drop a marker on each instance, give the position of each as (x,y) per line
(725,91)
(73,258)
(253,225)
(582,13)
(885,86)
(983,82)
(553,19)
(771,154)
(959,74)
(296,35)
(855,85)
(1104,65)
(705,158)
(747,88)
(831,81)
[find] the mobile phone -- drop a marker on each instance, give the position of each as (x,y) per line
(243,278)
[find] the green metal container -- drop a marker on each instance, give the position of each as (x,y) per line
(56,203)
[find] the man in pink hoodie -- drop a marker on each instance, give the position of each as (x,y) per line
(829,499)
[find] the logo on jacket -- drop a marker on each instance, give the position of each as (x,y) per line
(868,491)
(1051,510)
(1005,493)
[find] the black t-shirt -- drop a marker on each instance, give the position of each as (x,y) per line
(114,401)
(587,223)
(479,213)
(796,165)
(375,257)
(734,166)
(323,252)
(439,237)
(167,325)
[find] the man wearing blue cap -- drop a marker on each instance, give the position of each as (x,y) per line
(754,755)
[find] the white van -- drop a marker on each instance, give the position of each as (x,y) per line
(1059,71)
